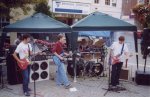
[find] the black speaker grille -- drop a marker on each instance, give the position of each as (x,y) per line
(44,65)
(44,75)
(35,66)
(35,76)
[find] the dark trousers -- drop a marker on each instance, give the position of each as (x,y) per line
(115,74)
(26,74)
(1,73)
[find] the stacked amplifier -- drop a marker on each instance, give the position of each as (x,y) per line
(39,68)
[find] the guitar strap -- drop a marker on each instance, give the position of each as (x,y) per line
(122,49)
(29,51)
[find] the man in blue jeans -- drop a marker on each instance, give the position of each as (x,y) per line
(24,49)
(61,77)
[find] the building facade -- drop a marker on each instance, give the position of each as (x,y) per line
(111,7)
(70,11)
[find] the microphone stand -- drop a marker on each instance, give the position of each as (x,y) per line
(74,65)
(34,70)
(109,86)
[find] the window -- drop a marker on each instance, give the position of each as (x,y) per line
(146,1)
(3,22)
(114,3)
(96,1)
(107,2)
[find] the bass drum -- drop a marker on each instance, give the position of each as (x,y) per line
(94,69)
(79,67)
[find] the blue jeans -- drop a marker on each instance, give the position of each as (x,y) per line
(115,74)
(26,74)
(61,77)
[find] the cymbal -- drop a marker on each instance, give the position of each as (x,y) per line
(99,43)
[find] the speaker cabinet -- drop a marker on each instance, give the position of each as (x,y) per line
(14,73)
(142,78)
(0,73)
(124,75)
(146,35)
(39,71)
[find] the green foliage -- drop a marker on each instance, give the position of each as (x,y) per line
(6,5)
(142,14)
(43,8)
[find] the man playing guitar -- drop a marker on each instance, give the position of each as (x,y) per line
(118,50)
(61,77)
(24,50)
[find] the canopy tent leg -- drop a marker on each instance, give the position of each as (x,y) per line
(136,48)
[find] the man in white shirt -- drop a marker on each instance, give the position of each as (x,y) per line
(24,50)
(118,50)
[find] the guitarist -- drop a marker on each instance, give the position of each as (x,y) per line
(118,50)
(58,52)
(24,50)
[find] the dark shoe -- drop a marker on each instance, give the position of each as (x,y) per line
(113,88)
(120,88)
(26,93)
(117,83)
(68,86)
(29,89)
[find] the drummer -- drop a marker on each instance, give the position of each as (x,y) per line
(83,45)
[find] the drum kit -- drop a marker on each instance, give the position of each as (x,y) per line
(89,61)
(87,64)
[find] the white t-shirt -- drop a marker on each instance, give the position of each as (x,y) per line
(116,49)
(23,50)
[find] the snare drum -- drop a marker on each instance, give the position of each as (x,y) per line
(87,56)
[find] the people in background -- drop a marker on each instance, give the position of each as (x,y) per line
(82,45)
(17,40)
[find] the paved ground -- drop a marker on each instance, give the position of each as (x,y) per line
(90,87)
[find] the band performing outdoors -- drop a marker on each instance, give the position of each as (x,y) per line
(91,59)
(75,48)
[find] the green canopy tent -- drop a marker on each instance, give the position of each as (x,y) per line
(98,21)
(37,23)
(102,22)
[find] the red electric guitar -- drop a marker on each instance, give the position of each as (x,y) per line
(27,61)
(24,65)
(116,59)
